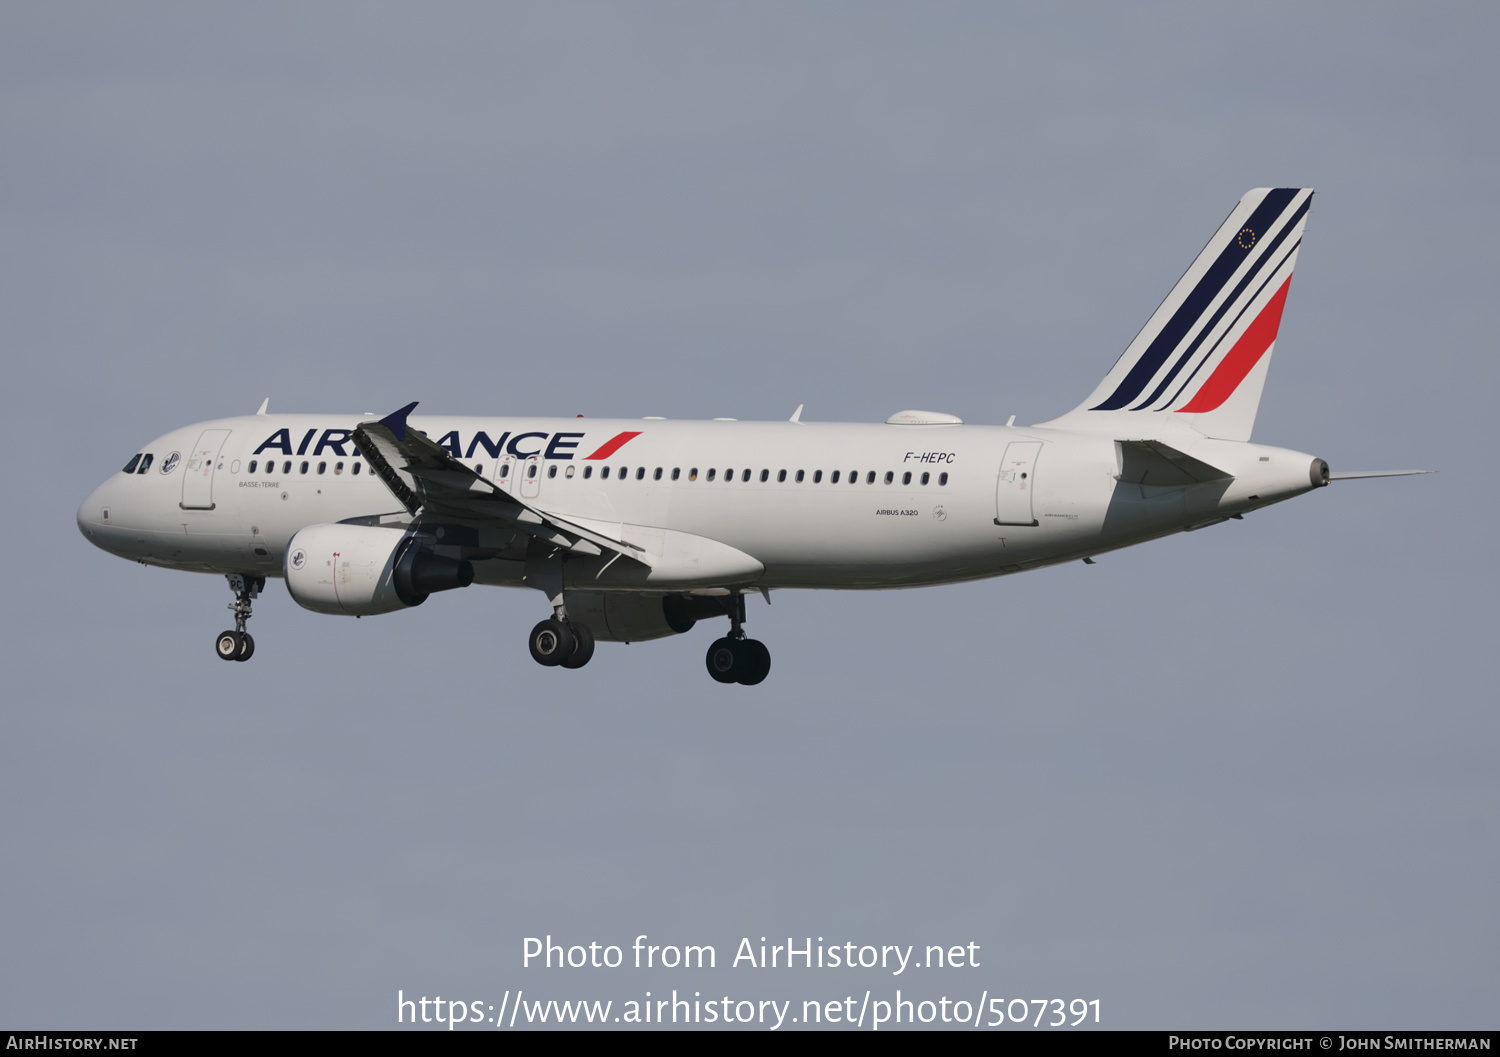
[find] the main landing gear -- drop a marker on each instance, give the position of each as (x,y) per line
(734,658)
(237,645)
(561,643)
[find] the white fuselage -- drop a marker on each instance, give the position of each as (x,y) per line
(826,505)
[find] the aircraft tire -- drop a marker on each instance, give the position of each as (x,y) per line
(757,662)
(725,661)
(551,642)
(227,645)
(583,649)
(247,647)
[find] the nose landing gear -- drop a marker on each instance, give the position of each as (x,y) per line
(734,658)
(237,645)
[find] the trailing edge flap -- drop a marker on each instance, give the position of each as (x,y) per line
(425,477)
(1155,463)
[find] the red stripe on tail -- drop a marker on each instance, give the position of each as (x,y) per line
(1245,355)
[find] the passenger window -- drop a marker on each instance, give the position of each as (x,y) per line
(854,477)
(552,471)
(286,467)
(656,474)
(588,471)
(531,472)
(906,477)
(889,477)
(745,476)
(711,473)
(870,479)
(942,479)
(322,466)
(693,474)
(355,470)
(145,463)
(799,476)
(303,468)
(132,464)
(926,477)
(780,476)
(570,471)
(604,473)
(676,472)
(251,467)
(338,468)
(834,477)
(817,476)
(764,475)
(640,473)
(504,470)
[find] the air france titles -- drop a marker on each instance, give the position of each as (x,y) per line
(521,445)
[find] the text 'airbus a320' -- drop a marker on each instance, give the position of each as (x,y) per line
(636,529)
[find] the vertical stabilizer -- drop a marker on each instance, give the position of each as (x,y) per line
(1201,360)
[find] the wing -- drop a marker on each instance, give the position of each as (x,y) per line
(428,480)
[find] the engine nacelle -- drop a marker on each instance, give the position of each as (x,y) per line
(358,570)
(620,616)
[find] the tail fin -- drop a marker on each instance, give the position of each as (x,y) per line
(1201,359)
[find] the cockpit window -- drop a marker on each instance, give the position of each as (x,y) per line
(131,465)
(145,463)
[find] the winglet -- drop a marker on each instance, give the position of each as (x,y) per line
(797,414)
(396,421)
(263,405)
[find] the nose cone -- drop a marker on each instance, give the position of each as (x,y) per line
(97,515)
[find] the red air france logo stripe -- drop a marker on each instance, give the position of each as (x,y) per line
(615,443)
(1245,355)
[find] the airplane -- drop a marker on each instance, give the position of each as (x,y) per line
(637,529)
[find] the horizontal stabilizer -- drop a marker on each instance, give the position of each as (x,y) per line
(1155,463)
(1353,475)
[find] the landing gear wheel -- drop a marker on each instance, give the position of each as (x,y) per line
(757,661)
(247,647)
(583,650)
(551,642)
(227,645)
(725,661)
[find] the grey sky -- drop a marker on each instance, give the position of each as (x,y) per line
(1239,778)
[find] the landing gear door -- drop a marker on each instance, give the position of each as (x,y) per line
(1014,484)
(198,475)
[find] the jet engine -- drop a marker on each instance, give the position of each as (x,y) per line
(358,570)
